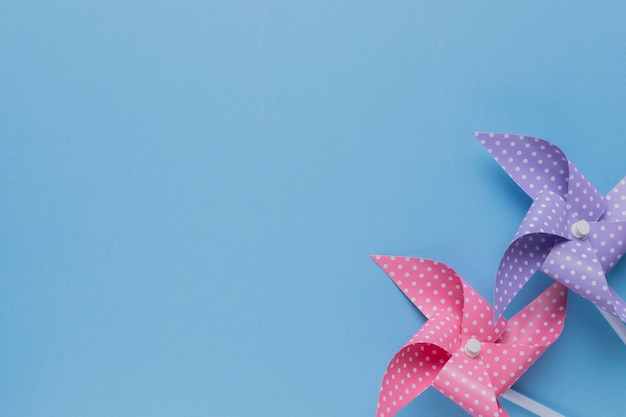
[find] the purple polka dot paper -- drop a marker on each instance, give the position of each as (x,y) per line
(460,350)
(572,232)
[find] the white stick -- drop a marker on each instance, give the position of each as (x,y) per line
(616,324)
(530,405)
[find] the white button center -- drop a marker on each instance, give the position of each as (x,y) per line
(472,348)
(581,229)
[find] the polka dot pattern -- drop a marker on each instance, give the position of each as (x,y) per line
(534,164)
(616,203)
(547,214)
(527,336)
(434,287)
(574,264)
(426,283)
(584,201)
(542,227)
(436,354)
(562,196)
(415,366)
(466,382)
(608,242)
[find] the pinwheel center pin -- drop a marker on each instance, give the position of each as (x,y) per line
(581,229)
(472,348)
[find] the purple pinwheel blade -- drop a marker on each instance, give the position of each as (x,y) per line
(522,258)
(533,163)
(609,242)
(583,199)
(619,305)
(547,214)
(616,203)
(536,165)
(543,226)
(575,264)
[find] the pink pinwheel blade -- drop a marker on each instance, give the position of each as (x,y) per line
(478,317)
(467,383)
(415,366)
(527,336)
(432,286)
(424,283)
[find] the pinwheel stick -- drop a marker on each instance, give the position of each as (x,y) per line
(615,323)
(530,405)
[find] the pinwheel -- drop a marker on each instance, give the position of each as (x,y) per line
(460,350)
(571,232)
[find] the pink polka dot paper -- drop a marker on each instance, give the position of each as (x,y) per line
(460,350)
(571,232)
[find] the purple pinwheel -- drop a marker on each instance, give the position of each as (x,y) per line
(571,232)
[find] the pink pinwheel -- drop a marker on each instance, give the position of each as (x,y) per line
(571,232)
(459,350)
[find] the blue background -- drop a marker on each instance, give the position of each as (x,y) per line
(192,189)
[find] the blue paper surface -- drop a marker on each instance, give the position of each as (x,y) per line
(191,192)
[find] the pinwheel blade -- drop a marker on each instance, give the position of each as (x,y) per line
(434,286)
(584,199)
(527,336)
(575,264)
(533,163)
(431,286)
(544,225)
(521,260)
(616,203)
(608,240)
(547,214)
(467,383)
(536,164)
(415,366)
